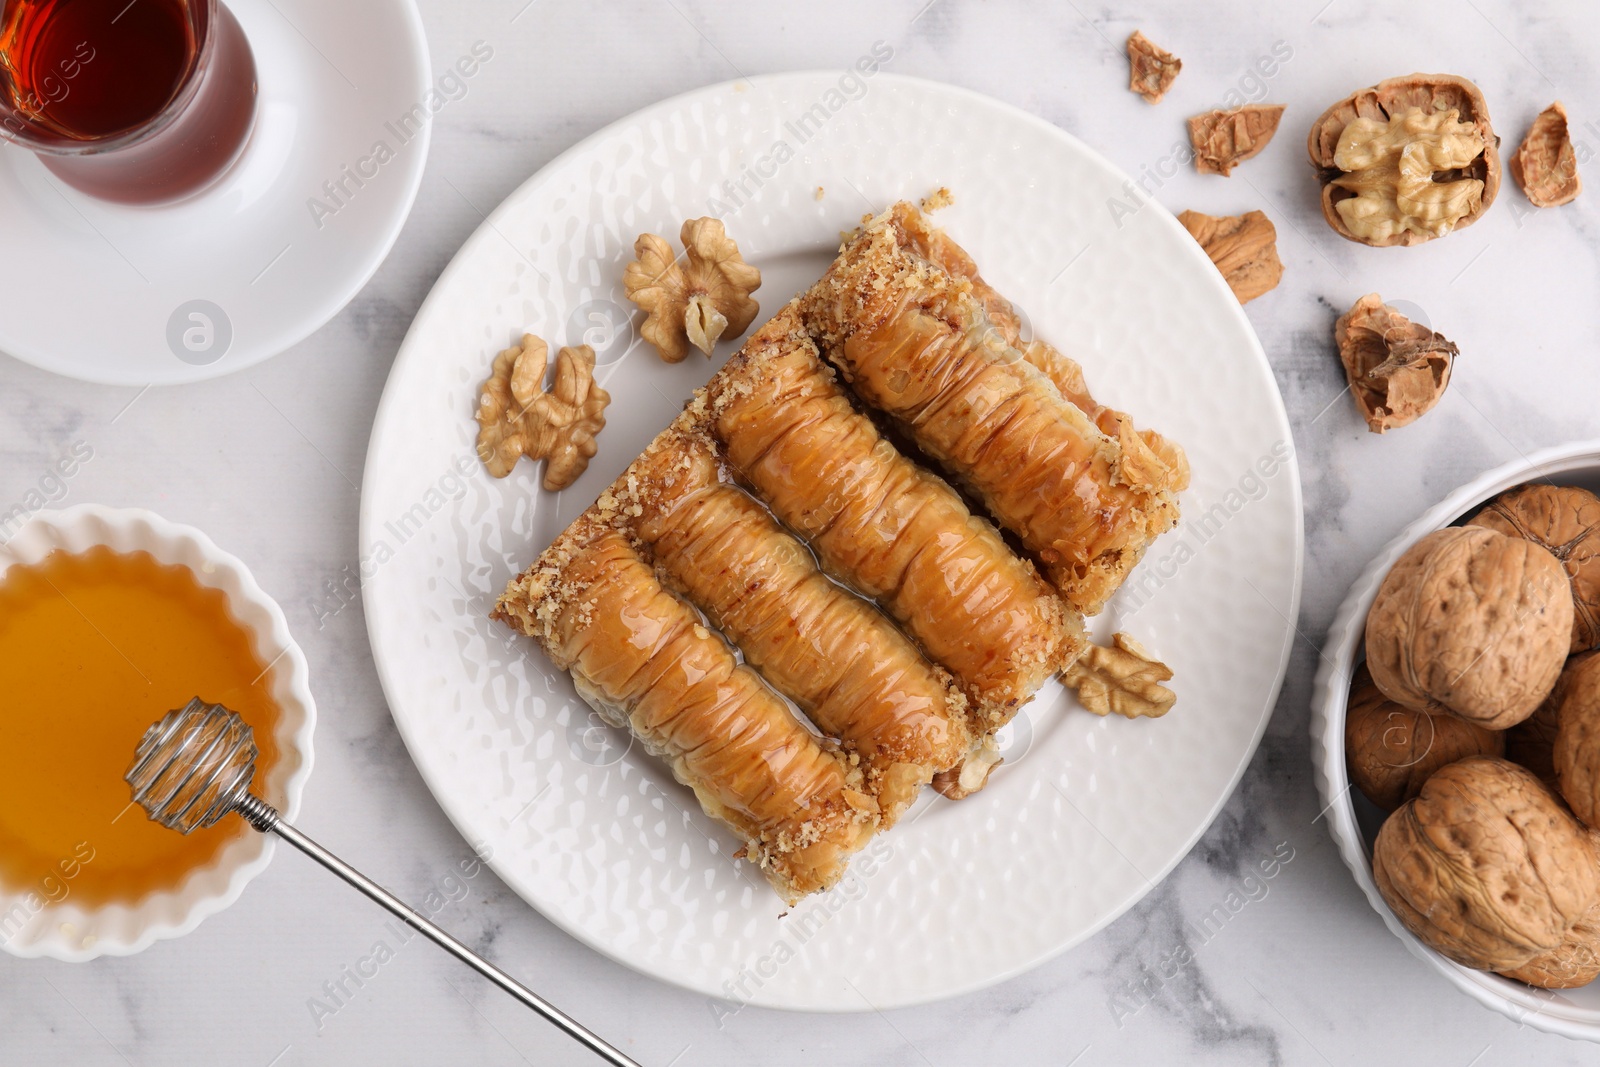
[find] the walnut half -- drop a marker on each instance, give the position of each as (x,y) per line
(1407,160)
(1124,678)
(705,300)
(1244,248)
(1545,165)
(517,418)
(1397,369)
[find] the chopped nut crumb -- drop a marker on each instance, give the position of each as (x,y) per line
(1244,248)
(1223,139)
(517,418)
(818,194)
(1124,678)
(1151,70)
(939,198)
(1545,165)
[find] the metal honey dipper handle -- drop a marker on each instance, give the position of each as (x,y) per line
(195,766)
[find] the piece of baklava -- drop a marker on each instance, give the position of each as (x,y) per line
(917,344)
(890,530)
(856,676)
(1167,462)
(642,659)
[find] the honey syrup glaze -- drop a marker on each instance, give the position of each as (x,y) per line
(94,647)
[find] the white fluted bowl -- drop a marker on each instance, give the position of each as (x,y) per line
(1354,822)
(72,933)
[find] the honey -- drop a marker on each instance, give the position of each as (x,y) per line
(94,648)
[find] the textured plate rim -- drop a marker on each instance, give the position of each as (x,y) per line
(487,230)
(1518,1002)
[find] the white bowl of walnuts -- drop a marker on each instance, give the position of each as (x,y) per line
(1456,738)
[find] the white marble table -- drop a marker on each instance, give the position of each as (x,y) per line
(268,462)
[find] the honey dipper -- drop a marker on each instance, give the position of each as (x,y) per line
(195,766)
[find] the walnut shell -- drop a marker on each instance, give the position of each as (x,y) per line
(1472,622)
(1531,743)
(1431,93)
(1391,751)
(1244,248)
(1573,963)
(1565,520)
(1486,866)
(1546,164)
(1397,369)
(1576,753)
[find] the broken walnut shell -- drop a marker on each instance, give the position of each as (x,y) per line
(1391,750)
(1151,70)
(1486,866)
(1472,622)
(1406,199)
(1397,369)
(1545,164)
(701,302)
(1223,139)
(1244,248)
(1566,520)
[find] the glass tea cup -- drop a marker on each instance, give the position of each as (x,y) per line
(132,101)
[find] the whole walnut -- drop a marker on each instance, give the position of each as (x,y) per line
(1471,622)
(1531,743)
(1576,753)
(1486,865)
(1565,520)
(1391,750)
(1573,963)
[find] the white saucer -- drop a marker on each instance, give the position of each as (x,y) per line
(225,279)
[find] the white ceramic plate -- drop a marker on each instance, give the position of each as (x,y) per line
(66,931)
(1354,822)
(104,292)
(1089,812)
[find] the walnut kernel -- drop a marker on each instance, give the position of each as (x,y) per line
(1407,160)
(517,418)
(1244,248)
(699,303)
(1124,678)
(1397,369)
